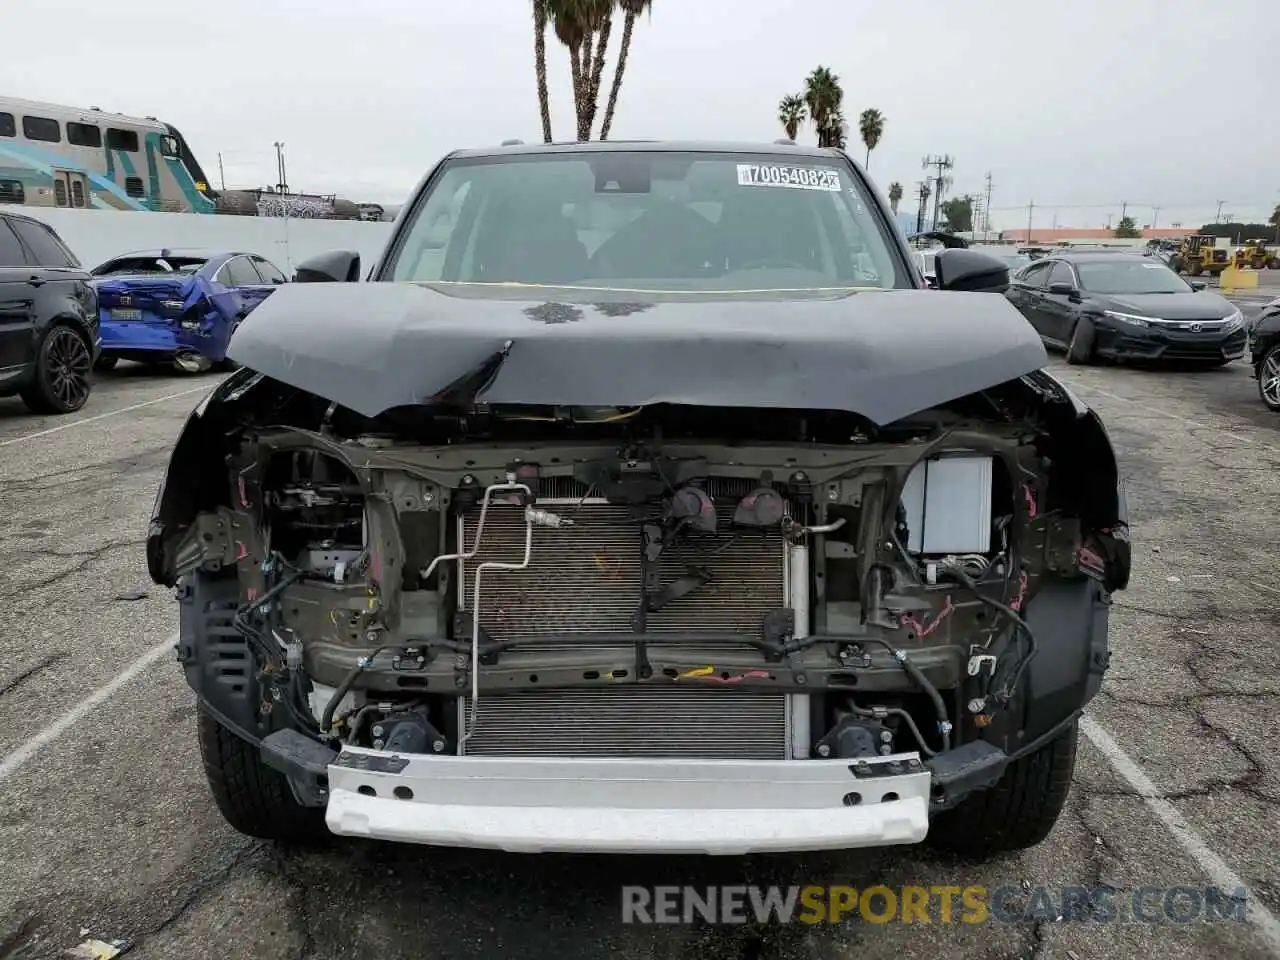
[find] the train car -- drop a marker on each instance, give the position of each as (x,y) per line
(57,156)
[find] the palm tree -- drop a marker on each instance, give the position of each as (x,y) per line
(836,130)
(895,196)
(578,24)
(791,113)
(540,64)
(567,21)
(598,19)
(632,9)
(822,98)
(871,126)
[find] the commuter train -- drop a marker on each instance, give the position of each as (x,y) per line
(57,156)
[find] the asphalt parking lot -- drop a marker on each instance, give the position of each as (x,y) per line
(107,829)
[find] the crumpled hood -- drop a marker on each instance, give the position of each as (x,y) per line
(884,355)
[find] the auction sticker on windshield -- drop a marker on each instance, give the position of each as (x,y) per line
(800,178)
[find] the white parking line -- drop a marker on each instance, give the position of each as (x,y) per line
(15,761)
(103,416)
(1214,866)
(1163,413)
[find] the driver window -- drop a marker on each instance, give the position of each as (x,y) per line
(1062,273)
(1037,276)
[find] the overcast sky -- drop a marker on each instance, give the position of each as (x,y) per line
(1077,106)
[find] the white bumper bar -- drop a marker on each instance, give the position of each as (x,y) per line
(627,806)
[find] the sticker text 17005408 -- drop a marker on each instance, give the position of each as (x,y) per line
(800,178)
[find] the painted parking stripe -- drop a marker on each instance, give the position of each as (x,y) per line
(103,416)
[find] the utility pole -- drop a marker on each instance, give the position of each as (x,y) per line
(283,185)
(986,211)
(1030,210)
(1124,208)
(222,177)
(1155,216)
(1218,217)
(944,162)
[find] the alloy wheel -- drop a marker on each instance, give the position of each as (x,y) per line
(1269,379)
(68,367)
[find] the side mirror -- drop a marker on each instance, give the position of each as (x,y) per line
(971,270)
(1197,285)
(340,266)
(1061,289)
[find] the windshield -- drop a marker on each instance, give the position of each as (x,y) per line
(1124,275)
(650,221)
(149,265)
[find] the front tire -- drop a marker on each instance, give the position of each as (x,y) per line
(252,797)
(1080,349)
(1019,811)
(1269,379)
(63,374)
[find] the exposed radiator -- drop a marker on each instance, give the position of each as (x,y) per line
(585,579)
(670,720)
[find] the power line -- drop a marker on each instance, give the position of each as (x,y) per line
(1157,205)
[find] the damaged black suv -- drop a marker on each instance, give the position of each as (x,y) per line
(643,500)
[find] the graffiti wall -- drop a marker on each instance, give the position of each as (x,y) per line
(302,208)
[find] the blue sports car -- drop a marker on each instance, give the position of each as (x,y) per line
(179,306)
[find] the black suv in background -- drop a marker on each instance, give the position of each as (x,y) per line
(48,318)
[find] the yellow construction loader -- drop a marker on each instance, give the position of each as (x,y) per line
(1256,255)
(1198,254)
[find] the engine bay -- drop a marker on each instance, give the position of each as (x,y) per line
(652,581)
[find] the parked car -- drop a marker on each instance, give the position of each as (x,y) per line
(48,318)
(622,547)
(1125,306)
(178,306)
(1264,352)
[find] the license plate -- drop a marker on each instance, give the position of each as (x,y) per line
(126,314)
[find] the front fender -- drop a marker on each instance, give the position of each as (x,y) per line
(1088,463)
(195,478)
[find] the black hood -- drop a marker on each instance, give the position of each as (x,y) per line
(883,355)
(1169,306)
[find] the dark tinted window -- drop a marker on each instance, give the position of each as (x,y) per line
(41,128)
(40,240)
(7,127)
(268,270)
(122,139)
(11,253)
(1037,276)
(83,134)
(133,187)
(239,272)
(11,191)
(1062,274)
